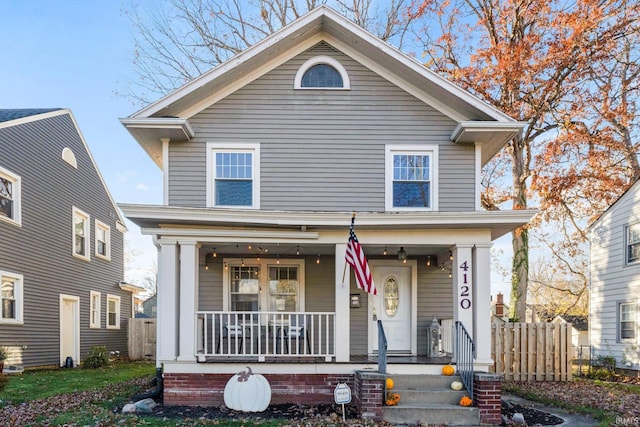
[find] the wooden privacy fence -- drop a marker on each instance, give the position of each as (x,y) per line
(532,351)
(142,339)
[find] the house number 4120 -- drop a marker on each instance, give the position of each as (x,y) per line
(465,300)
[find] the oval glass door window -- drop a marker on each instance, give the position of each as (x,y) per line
(391,296)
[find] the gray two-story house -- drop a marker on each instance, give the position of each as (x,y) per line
(265,159)
(61,244)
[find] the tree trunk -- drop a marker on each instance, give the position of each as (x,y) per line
(520,236)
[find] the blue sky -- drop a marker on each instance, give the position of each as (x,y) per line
(77,54)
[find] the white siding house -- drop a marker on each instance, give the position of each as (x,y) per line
(615,281)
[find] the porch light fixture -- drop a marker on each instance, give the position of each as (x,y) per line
(402,254)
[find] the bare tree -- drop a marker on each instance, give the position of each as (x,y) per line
(178,40)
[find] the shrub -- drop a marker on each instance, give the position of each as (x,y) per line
(98,357)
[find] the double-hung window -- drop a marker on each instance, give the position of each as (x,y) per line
(627,324)
(233,175)
(411,178)
(9,196)
(113,312)
(81,234)
(633,243)
(103,240)
(94,314)
(10,297)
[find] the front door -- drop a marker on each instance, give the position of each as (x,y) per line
(69,329)
(393,306)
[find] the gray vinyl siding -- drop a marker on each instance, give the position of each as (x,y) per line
(322,149)
(613,281)
(41,249)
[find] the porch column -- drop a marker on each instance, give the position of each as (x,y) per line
(482,305)
(167,300)
(342,322)
(188,299)
(462,271)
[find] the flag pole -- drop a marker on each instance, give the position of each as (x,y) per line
(344,270)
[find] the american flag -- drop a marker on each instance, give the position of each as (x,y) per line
(358,261)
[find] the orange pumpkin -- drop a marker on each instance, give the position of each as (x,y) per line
(389,383)
(465,401)
(448,370)
(392,399)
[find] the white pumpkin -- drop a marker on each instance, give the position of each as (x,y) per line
(456,385)
(247,392)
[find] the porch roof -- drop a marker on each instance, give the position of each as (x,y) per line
(154,219)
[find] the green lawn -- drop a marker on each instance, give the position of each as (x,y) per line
(82,397)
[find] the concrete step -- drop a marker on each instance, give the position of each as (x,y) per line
(429,399)
(432,414)
(411,397)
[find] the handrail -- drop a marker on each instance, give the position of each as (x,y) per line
(465,351)
(382,349)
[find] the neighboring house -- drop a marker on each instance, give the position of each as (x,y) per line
(499,310)
(61,244)
(615,281)
(265,158)
(150,306)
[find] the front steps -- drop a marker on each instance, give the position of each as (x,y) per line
(429,399)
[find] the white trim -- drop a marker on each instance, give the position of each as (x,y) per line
(99,225)
(115,298)
(322,59)
(478,176)
(165,171)
(87,230)
(69,157)
(16,183)
(18,295)
(92,324)
(76,326)
(417,149)
(214,147)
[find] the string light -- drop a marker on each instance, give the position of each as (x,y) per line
(385,251)
(215,254)
(318,259)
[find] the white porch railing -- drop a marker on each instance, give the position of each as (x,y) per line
(265,334)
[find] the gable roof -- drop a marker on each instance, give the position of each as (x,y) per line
(7,115)
(630,190)
(15,117)
(169,116)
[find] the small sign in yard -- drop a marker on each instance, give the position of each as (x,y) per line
(342,395)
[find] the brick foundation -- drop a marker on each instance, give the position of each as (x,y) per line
(487,393)
(208,389)
(369,394)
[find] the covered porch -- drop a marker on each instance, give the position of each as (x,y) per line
(274,286)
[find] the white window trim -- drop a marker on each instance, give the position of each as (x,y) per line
(107,229)
(87,229)
(635,338)
(627,244)
(213,148)
(117,300)
(263,279)
(93,325)
(390,150)
(17,197)
(18,291)
(346,82)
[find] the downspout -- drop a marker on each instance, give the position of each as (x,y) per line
(153,394)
